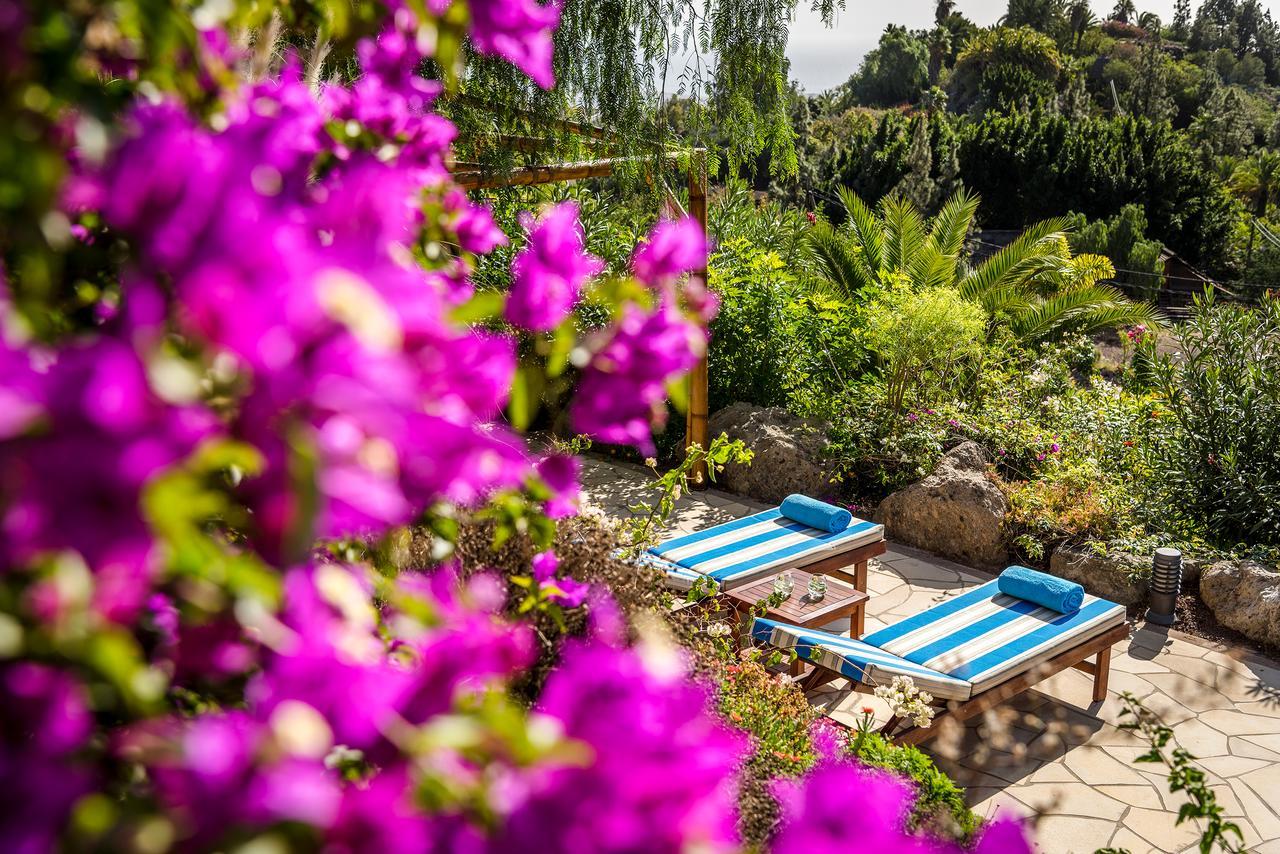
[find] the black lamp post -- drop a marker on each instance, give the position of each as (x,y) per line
(1166,581)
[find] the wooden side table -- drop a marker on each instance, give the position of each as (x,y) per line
(842,600)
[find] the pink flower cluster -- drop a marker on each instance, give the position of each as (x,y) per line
(288,286)
(548,273)
(623,388)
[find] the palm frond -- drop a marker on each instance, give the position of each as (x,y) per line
(1006,299)
(903,230)
(951,226)
(1012,264)
(865,228)
(840,265)
(1090,269)
(930,268)
(1086,308)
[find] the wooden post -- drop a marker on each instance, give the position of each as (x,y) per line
(696,420)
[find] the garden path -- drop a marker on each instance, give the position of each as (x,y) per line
(1052,755)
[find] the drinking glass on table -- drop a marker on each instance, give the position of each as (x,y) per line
(817,587)
(784,583)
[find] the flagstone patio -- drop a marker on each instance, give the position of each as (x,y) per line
(1052,755)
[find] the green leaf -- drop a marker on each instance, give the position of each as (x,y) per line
(562,342)
(526,394)
(484,305)
(678,393)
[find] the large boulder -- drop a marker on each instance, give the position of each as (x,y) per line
(956,511)
(1244,595)
(1121,577)
(790,453)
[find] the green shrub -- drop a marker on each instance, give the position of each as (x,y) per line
(749,336)
(778,717)
(879,451)
(1218,462)
(926,342)
(894,72)
(1076,501)
(1005,68)
(772,339)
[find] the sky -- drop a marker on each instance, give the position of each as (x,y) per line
(823,57)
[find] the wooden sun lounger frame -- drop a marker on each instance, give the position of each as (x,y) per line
(850,566)
(1098,648)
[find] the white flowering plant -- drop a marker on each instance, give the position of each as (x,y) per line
(907,701)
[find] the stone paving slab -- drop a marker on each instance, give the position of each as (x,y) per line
(1052,755)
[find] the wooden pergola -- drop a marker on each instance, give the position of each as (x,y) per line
(473,177)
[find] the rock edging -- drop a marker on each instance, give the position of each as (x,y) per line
(956,511)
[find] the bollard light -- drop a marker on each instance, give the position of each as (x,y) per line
(1166,581)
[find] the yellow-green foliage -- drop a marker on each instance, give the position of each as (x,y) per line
(925,340)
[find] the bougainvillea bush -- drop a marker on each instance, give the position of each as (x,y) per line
(266,359)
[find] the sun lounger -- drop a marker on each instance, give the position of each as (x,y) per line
(747,549)
(677,577)
(971,653)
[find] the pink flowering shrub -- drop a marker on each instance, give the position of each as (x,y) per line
(204,643)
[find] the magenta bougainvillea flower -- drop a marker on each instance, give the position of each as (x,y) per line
(666,786)
(817,817)
(519,31)
(225,769)
(44,722)
(78,484)
(560,474)
(547,275)
(622,393)
(21,393)
(673,248)
(567,591)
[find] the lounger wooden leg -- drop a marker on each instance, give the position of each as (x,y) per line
(858,621)
(1100,674)
(860,580)
(819,677)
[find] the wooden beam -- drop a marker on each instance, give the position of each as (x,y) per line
(524,176)
(696,419)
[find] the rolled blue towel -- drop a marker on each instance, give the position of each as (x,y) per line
(1048,591)
(815,513)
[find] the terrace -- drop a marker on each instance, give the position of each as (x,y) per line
(1050,754)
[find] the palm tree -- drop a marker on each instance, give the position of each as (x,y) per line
(1080,18)
(1123,11)
(1150,22)
(939,42)
(1034,286)
(1256,181)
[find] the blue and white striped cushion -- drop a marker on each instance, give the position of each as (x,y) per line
(747,549)
(985,636)
(859,661)
(677,577)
